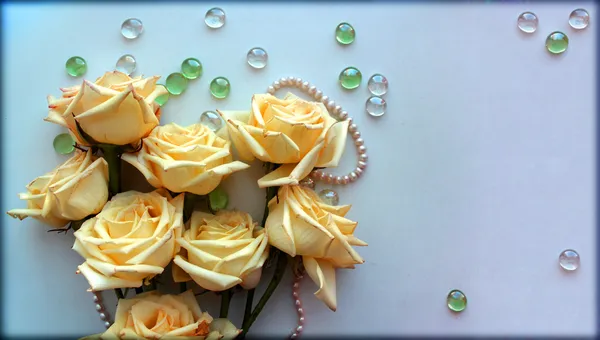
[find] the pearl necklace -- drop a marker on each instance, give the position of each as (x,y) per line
(101,309)
(341,115)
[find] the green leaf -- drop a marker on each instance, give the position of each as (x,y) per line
(218,199)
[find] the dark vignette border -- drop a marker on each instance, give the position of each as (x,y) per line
(596,27)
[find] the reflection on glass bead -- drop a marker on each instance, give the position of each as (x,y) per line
(191,68)
(569,260)
(377,85)
(329,196)
(215,18)
(126,64)
(132,28)
(527,22)
(350,78)
(579,19)
(212,120)
(64,144)
(220,87)
(76,66)
(344,33)
(376,106)
(257,57)
(557,42)
(162,99)
(176,83)
(456,300)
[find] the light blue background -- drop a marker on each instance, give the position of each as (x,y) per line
(480,173)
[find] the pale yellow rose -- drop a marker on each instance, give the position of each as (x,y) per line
(299,134)
(300,223)
(130,240)
(222,251)
(115,109)
(155,316)
(72,191)
(181,159)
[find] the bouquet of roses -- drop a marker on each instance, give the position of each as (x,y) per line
(126,239)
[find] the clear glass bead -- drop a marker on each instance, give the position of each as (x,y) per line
(527,22)
(257,57)
(376,106)
(329,197)
(212,120)
(378,85)
(579,19)
(215,18)
(569,260)
(126,64)
(132,28)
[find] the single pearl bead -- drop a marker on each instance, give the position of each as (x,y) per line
(296,285)
(312,90)
(353,176)
(301,320)
(363,157)
(331,105)
(324,100)
(358,171)
(271,89)
(300,310)
(276,85)
(107,324)
(318,94)
(102,316)
(291,81)
(346,179)
(329,178)
(337,109)
(362,165)
(295,295)
(356,134)
(299,329)
(96,298)
(294,336)
(350,121)
(317,174)
(339,180)
(298,303)
(362,149)
(359,141)
(343,115)
(283,81)
(352,128)
(305,85)
(99,307)
(298,82)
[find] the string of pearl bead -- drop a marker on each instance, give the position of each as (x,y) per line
(298,305)
(101,309)
(337,112)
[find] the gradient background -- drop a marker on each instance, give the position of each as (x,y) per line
(481,172)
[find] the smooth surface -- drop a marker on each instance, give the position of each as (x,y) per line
(480,173)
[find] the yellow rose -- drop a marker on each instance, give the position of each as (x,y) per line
(299,134)
(115,109)
(222,251)
(72,191)
(131,239)
(300,223)
(191,159)
(155,316)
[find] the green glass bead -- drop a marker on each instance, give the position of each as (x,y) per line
(557,42)
(218,199)
(64,144)
(163,98)
(345,34)
(457,300)
(350,78)
(76,66)
(176,83)
(191,68)
(220,87)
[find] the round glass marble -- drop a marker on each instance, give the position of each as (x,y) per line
(176,83)
(126,64)
(527,22)
(212,120)
(132,28)
(163,98)
(345,34)
(257,57)
(191,68)
(329,197)
(376,106)
(569,260)
(378,85)
(215,18)
(579,19)
(220,87)
(350,78)
(557,42)
(76,66)
(64,144)
(456,300)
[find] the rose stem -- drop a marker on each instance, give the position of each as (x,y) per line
(249,302)
(112,155)
(225,300)
(189,202)
(282,260)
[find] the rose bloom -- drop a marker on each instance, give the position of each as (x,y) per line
(155,316)
(299,134)
(115,109)
(300,223)
(184,159)
(132,239)
(74,190)
(222,251)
